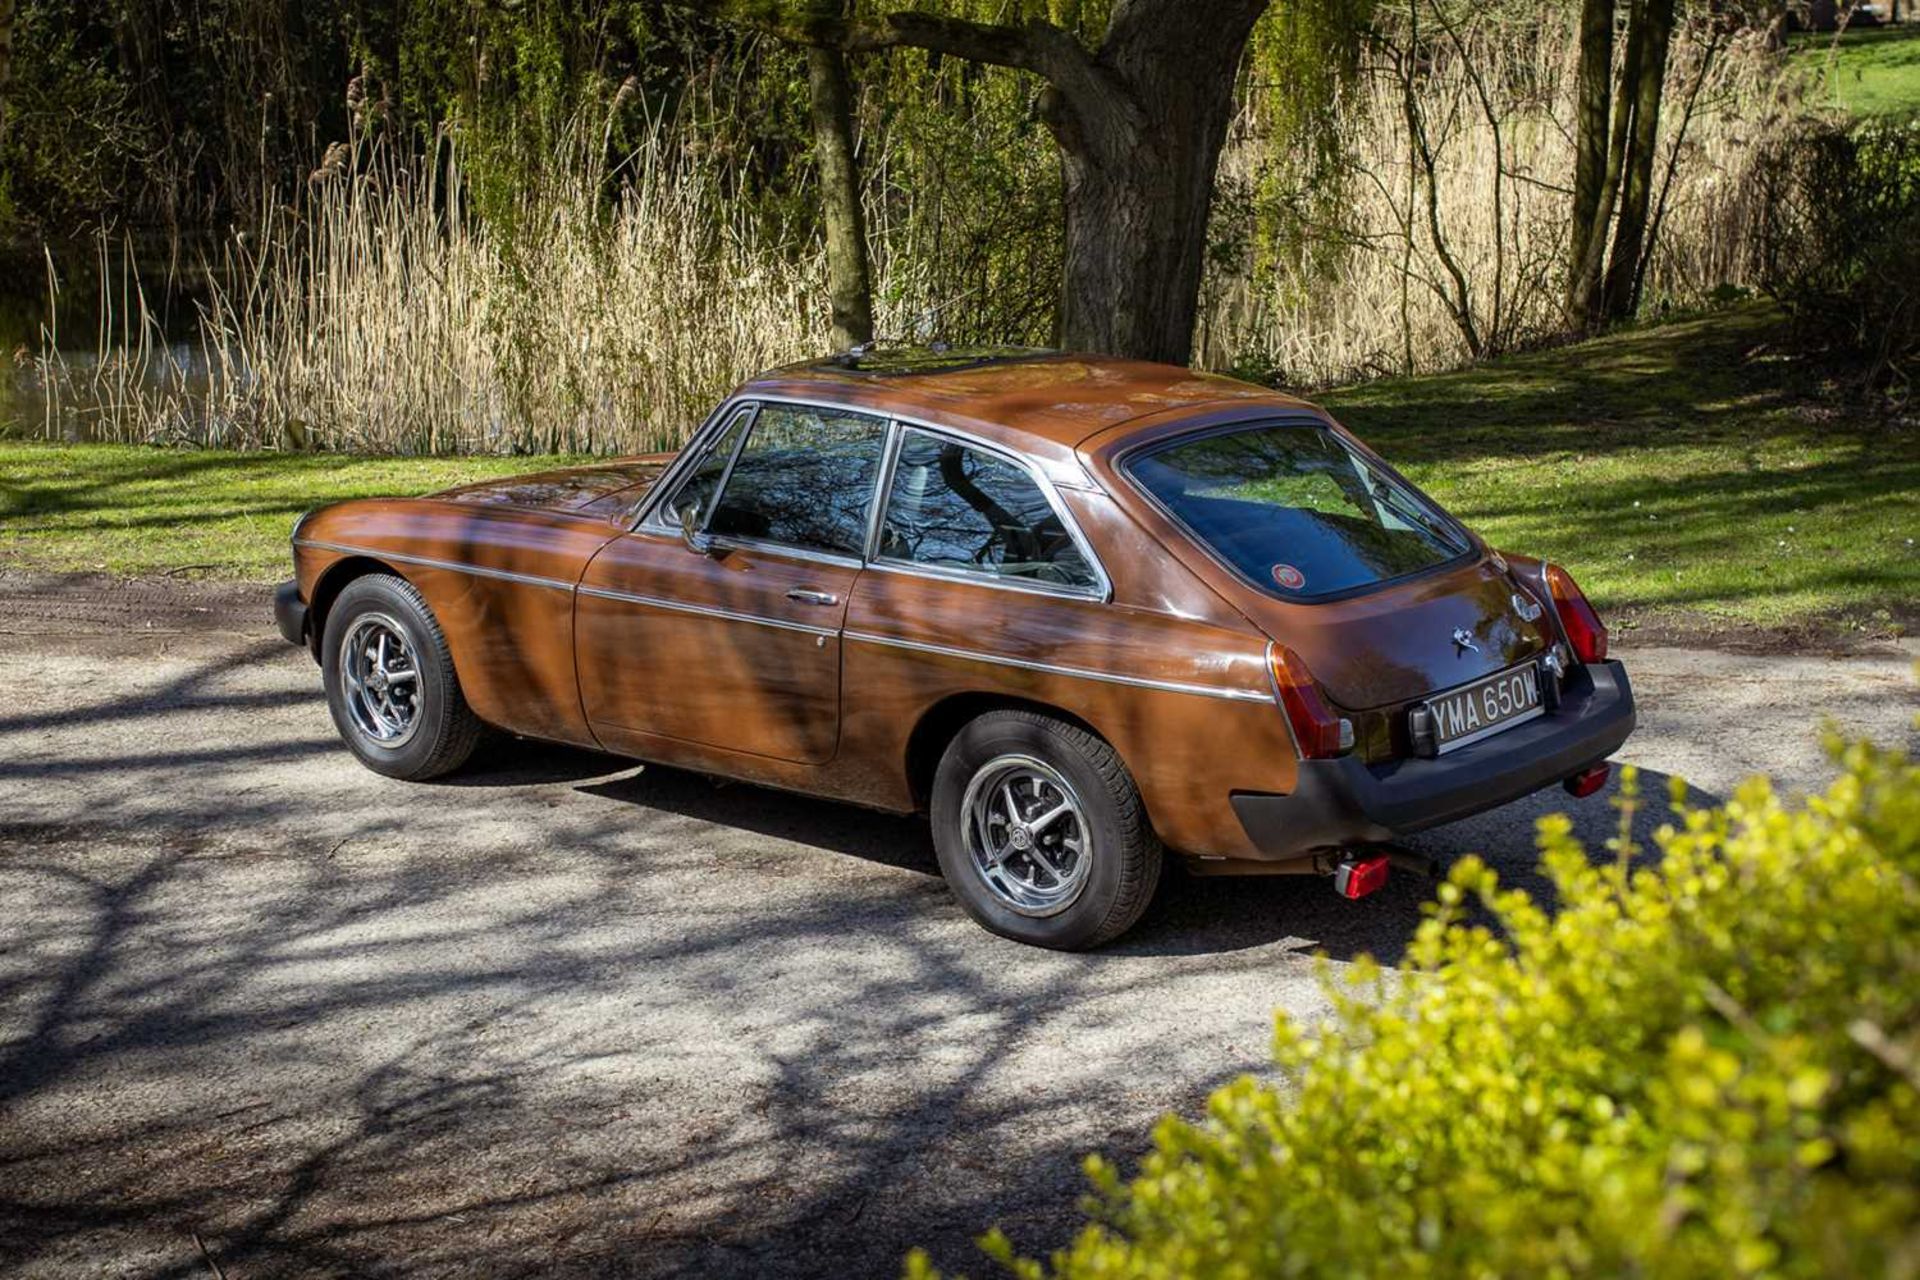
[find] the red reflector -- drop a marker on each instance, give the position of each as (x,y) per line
(1316,728)
(1358,879)
(1587,781)
(1585,632)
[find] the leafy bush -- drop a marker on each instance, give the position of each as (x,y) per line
(1703,1064)
(1840,244)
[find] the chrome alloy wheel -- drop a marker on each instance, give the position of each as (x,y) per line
(381,680)
(1027,835)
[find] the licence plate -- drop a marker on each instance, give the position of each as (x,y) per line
(1474,711)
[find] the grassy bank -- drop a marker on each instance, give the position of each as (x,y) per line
(1693,475)
(1871,71)
(136,511)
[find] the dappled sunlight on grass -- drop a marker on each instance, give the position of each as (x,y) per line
(131,509)
(1688,468)
(1684,467)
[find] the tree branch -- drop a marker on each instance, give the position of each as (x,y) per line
(1079,83)
(1040,47)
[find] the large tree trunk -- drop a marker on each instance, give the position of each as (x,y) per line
(1629,236)
(848,277)
(1140,124)
(1139,162)
(1593,111)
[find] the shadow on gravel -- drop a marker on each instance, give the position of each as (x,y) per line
(341,1090)
(573,1026)
(889,840)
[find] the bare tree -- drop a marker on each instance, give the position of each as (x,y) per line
(1601,288)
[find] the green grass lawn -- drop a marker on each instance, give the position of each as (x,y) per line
(1693,476)
(132,510)
(1871,71)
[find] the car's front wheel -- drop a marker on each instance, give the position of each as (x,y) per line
(390,682)
(1041,832)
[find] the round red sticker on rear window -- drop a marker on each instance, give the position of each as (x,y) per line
(1289,577)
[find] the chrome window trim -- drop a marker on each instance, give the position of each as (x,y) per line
(427,562)
(671,479)
(1101,590)
(1028,586)
(655,518)
(669,483)
(877,513)
(766,546)
(656,503)
(706,611)
(1050,668)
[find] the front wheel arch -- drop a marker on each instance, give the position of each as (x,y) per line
(334,579)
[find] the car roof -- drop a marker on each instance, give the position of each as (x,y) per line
(1010,395)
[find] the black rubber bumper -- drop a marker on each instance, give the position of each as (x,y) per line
(1344,801)
(290,613)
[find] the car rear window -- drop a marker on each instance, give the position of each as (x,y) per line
(1296,511)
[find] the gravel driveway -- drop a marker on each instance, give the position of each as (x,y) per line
(263,1010)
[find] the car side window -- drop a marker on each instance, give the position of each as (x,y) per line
(805,478)
(705,480)
(963,509)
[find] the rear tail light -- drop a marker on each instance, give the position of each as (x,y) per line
(1316,728)
(1585,632)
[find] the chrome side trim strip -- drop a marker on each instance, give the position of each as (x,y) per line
(705,611)
(425,562)
(1080,673)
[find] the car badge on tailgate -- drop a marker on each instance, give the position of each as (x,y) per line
(1526,606)
(1464,638)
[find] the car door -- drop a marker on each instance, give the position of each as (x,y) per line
(736,646)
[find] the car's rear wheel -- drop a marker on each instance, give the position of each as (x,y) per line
(390,682)
(1041,832)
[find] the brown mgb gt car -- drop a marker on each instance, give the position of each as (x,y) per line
(1078,610)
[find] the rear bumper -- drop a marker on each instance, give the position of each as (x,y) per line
(1345,801)
(290,613)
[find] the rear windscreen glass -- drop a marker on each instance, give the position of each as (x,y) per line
(1295,510)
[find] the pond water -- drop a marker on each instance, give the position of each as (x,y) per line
(67,291)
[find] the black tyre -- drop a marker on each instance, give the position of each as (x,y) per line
(1041,832)
(390,682)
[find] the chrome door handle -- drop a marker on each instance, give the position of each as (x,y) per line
(806,596)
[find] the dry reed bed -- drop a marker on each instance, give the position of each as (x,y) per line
(378,315)
(1502,164)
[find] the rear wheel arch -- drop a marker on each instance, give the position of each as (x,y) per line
(940,723)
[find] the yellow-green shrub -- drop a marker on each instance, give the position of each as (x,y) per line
(1705,1063)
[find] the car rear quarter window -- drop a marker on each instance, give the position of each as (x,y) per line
(960,509)
(805,478)
(1295,510)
